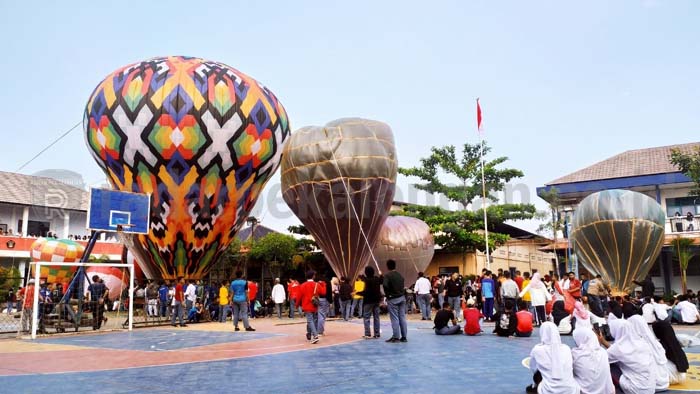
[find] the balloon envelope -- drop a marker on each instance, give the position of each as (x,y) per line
(57,251)
(116,279)
(618,234)
(199,136)
(407,241)
(339,181)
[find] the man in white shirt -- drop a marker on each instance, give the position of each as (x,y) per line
(190,296)
(422,289)
(509,290)
(278,296)
(689,312)
(648,311)
(660,308)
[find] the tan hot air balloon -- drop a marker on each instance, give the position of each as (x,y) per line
(339,181)
(618,234)
(407,241)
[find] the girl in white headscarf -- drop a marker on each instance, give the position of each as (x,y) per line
(552,360)
(640,327)
(634,368)
(591,367)
(538,297)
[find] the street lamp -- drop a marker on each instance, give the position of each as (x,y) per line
(252,221)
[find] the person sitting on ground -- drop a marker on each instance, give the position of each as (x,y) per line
(629,308)
(195,314)
(552,365)
(648,310)
(214,309)
(524,319)
(688,311)
(677,364)
(442,319)
(506,322)
(590,363)
(631,361)
(561,318)
(472,318)
(615,307)
(640,327)
(661,309)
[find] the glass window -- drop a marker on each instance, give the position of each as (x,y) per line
(682,205)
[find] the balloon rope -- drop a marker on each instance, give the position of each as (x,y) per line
(357,217)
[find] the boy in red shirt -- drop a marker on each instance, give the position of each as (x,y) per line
(472,319)
(252,296)
(524,318)
(307,291)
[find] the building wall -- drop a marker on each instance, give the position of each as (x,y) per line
(11,214)
(523,256)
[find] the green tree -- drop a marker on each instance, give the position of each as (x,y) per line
(467,169)
(460,231)
(689,164)
(276,249)
(304,244)
(553,222)
(683,253)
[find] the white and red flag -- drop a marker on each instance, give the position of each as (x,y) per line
(478,117)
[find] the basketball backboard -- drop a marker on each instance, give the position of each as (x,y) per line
(113,210)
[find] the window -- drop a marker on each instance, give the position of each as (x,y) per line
(682,205)
(448,270)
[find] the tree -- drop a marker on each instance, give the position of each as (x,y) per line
(553,221)
(459,231)
(689,164)
(305,243)
(467,169)
(276,249)
(683,253)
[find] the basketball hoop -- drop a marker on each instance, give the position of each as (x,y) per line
(120,227)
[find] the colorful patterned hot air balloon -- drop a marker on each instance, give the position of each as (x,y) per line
(57,251)
(407,241)
(339,181)
(202,138)
(618,234)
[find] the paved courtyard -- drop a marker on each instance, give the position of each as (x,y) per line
(212,358)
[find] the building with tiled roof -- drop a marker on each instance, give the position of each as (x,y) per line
(648,171)
(33,206)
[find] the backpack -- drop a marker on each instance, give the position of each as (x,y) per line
(504,321)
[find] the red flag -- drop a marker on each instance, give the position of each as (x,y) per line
(478,116)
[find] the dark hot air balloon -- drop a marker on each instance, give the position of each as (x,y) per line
(339,181)
(618,234)
(199,136)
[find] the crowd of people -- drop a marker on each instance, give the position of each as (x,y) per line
(624,342)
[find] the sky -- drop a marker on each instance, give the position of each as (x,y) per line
(562,84)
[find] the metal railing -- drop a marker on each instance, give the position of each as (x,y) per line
(682,224)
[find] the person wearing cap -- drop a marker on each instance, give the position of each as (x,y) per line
(278,296)
(472,318)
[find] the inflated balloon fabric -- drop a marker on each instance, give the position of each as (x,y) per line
(57,251)
(618,234)
(339,181)
(407,241)
(202,138)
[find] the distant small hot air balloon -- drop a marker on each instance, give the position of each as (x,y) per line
(57,251)
(407,241)
(202,138)
(618,234)
(339,181)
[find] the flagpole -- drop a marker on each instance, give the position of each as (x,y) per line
(483,187)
